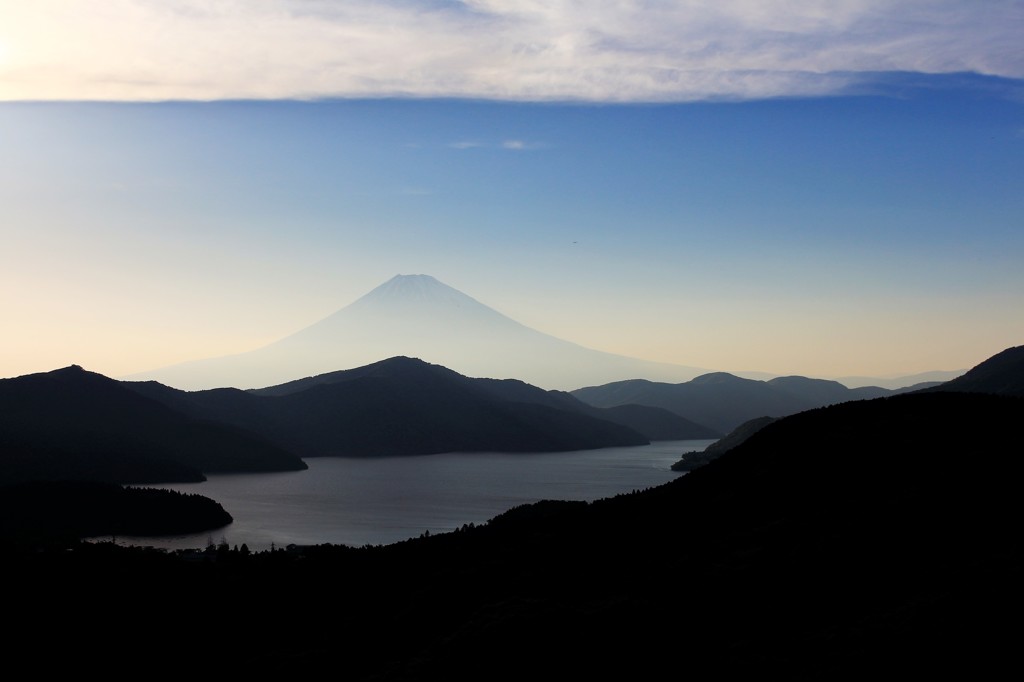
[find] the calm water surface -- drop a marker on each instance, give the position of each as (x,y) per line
(378,501)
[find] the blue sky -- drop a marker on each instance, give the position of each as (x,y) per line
(844,201)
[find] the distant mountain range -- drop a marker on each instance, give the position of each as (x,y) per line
(894,383)
(71,424)
(723,401)
(418,316)
(404,406)
(74,424)
(1002,374)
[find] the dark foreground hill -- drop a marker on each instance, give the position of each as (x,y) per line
(873,538)
(71,424)
(404,406)
(1001,374)
(693,459)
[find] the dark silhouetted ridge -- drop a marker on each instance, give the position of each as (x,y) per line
(78,425)
(1002,374)
(404,406)
(739,435)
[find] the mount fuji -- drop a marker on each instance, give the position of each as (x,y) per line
(418,316)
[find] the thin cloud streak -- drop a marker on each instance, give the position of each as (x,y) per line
(509,144)
(519,145)
(598,50)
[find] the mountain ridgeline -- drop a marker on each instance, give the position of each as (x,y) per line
(870,535)
(71,424)
(693,459)
(1001,374)
(76,425)
(723,401)
(404,406)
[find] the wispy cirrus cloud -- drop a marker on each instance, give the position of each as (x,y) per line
(520,145)
(592,50)
(510,144)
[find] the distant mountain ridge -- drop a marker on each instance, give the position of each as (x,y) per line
(895,383)
(723,401)
(71,424)
(418,316)
(653,422)
(404,406)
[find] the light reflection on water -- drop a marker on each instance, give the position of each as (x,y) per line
(378,501)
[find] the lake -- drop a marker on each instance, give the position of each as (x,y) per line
(379,501)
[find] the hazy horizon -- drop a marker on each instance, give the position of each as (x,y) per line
(828,191)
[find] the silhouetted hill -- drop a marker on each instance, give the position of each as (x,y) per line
(59,511)
(823,392)
(651,422)
(73,424)
(403,406)
(917,387)
(692,460)
(1002,374)
(657,423)
(723,401)
(867,536)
